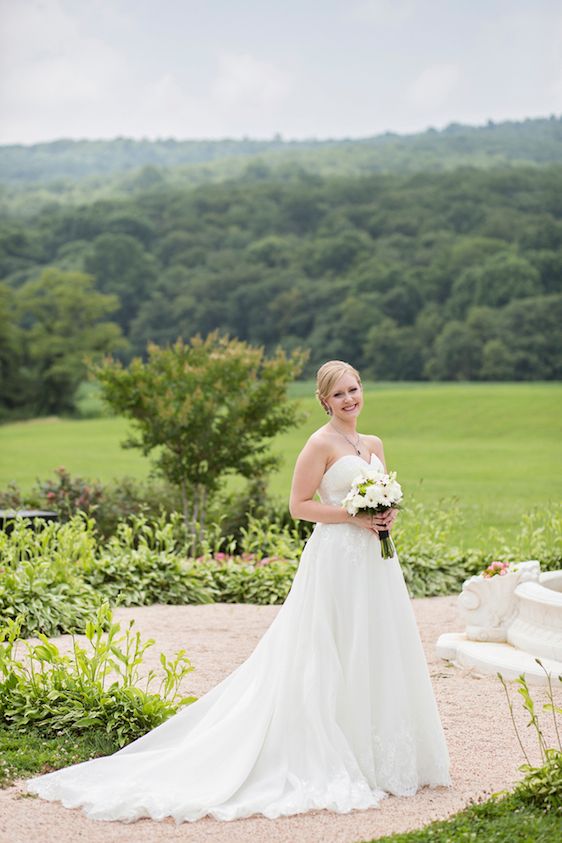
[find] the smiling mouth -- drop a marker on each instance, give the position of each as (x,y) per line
(347,409)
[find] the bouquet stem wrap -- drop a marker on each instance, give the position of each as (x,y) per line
(387,545)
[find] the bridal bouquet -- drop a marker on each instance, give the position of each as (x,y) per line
(373,491)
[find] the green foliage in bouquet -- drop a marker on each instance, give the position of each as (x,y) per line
(97,687)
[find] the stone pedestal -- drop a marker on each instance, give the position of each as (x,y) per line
(487,605)
(510,621)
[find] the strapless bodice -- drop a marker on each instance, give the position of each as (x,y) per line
(337,480)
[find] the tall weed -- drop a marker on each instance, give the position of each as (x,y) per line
(542,784)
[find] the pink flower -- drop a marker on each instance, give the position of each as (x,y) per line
(496,568)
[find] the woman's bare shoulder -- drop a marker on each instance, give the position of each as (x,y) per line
(373,440)
(318,442)
(312,461)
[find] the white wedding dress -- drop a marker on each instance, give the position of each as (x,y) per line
(333,709)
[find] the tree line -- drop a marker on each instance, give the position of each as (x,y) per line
(75,172)
(446,276)
(532,140)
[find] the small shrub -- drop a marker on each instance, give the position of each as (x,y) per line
(235,511)
(97,687)
(142,577)
(542,786)
(127,498)
(240,580)
(11,497)
(540,537)
(68,495)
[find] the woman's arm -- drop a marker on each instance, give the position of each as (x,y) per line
(309,470)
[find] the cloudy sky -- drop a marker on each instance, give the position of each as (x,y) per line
(301,68)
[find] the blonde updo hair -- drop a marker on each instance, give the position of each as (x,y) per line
(327,377)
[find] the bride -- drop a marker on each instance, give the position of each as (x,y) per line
(333,709)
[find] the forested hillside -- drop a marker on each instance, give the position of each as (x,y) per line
(74,172)
(418,272)
(452,275)
(532,140)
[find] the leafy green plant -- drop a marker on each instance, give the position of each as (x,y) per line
(250,581)
(98,686)
(125,498)
(540,537)
(56,575)
(264,538)
(143,576)
(41,577)
(11,497)
(542,784)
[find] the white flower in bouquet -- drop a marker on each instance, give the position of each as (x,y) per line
(373,491)
(358,501)
(374,496)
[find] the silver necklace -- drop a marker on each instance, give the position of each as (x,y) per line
(354,445)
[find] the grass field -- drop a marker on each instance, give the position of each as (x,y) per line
(495,447)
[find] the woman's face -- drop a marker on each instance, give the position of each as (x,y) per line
(346,398)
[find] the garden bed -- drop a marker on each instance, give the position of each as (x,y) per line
(484,752)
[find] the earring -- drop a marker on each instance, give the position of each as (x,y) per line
(328,409)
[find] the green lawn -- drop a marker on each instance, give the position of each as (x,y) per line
(495,447)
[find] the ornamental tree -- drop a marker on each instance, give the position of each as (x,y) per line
(209,408)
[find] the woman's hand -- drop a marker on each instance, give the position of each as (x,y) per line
(366,521)
(376,523)
(387,518)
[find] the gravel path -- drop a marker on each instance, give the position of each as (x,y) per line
(484,752)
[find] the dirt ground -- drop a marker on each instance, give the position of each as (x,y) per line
(485,755)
